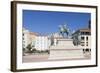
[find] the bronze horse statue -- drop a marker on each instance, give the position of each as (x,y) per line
(64,30)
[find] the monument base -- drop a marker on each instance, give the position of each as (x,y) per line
(65,49)
(66,54)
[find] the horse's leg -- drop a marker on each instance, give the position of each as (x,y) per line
(61,33)
(67,34)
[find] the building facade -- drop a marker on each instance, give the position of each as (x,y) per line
(82,39)
(32,37)
(25,38)
(42,43)
(28,38)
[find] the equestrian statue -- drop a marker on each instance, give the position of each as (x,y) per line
(64,31)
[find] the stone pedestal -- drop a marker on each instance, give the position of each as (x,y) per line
(64,49)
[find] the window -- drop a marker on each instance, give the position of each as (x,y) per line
(82,43)
(82,33)
(23,38)
(23,45)
(86,43)
(23,34)
(23,41)
(82,38)
(85,33)
(87,38)
(87,50)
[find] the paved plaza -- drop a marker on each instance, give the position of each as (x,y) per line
(35,57)
(47,57)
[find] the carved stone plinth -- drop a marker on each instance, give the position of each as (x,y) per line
(64,49)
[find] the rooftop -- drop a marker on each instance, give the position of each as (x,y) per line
(82,30)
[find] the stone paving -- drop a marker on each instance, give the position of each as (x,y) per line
(35,57)
(46,57)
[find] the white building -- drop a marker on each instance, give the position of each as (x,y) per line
(28,38)
(25,38)
(32,37)
(82,38)
(42,43)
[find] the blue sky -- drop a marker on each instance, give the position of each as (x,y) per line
(47,22)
